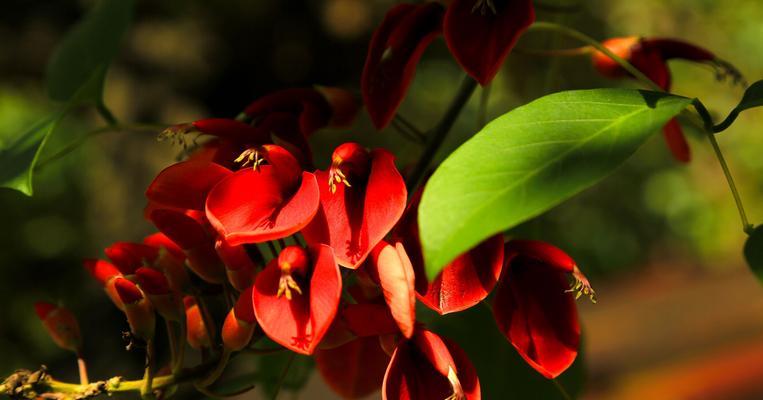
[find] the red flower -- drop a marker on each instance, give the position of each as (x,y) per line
(61,325)
(239,325)
(650,56)
(238,265)
(355,369)
(390,267)
(481,33)
(105,273)
(190,234)
(534,308)
(430,367)
(395,49)
(266,202)
(157,288)
(296,297)
(171,261)
(140,313)
(464,282)
(185,185)
(362,196)
(128,257)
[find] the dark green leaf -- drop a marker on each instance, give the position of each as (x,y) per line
(19,154)
(753,252)
(530,160)
(84,54)
(270,368)
(502,371)
(753,97)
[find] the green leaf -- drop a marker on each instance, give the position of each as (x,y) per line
(271,367)
(83,56)
(753,97)
(531,159)
(502,371)
(18,155)
(753,252)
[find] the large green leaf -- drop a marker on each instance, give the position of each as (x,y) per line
(84,54)
(19,154)
(531,159)
(753,252)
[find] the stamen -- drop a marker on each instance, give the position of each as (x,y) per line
(581,286)
(455,384)
(176,135)
(483,6)
(286,284)
(250,156)
(337,176)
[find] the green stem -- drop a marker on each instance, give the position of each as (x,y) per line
(214,375)
(146,391)
(440,132)
(285,373)
(746,226)
(577,35)
(113,128)
(561,389)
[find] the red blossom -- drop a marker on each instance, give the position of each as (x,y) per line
(61,325)
(297,295)
(534,307)
(239,266)
(395,49)
(266,202)
(362,196)
(128,257)
(462,283)
(157,288)
(481,33)
(389,265)
(105,273)
(239,323)
(185,185)
(139,312)
(355,369)
(430,367)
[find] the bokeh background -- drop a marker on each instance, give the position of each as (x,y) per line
(679,315)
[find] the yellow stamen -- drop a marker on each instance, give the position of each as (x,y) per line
(455,384)
(250,156)
(287,283)
(337,176)
(581,286)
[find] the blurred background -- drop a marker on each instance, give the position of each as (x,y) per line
(679,315)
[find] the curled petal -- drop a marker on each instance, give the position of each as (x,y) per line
(185,185)
(128,257)
(390,266)
(395,49)
(481,33)
(232,130)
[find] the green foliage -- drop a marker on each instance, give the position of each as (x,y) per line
(502,371)
(272,366)
(19,154)
(530,160)
(77,69)
(753,252)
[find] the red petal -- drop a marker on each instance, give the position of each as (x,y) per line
(182,229)
(464,282)
(394,51)
(467,374)
(233,130)
(185,185)
(239,266)
(128,257)
(672,48)
(369,319)
(43,308)
(410,376)
(535,314)
(299,324)
(152,281)
(102,271)
(128,292)
(547,254)
(253,206)
(353,370)
(391,267)
(353,220)
(159,240)
(480,42)
(674,136)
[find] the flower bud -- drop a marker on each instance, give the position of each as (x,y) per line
(197,334)
(238,265)
(240,323)
(61,325)
(128,257)
(140,313)
(105,273)
(156,286)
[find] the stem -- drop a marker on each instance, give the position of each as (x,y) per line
(285,372)
(178,364)
(573,52)
(482,111)
(82,366)
(146,391)
(440,131)
(105,113)
(105,129)
(746,226)
(273,249)
(214,375)
(206,317)
(561,389)
(572,33)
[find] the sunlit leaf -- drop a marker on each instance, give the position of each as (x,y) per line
(19,154)
(83,56)
(530,160)
(753,252)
